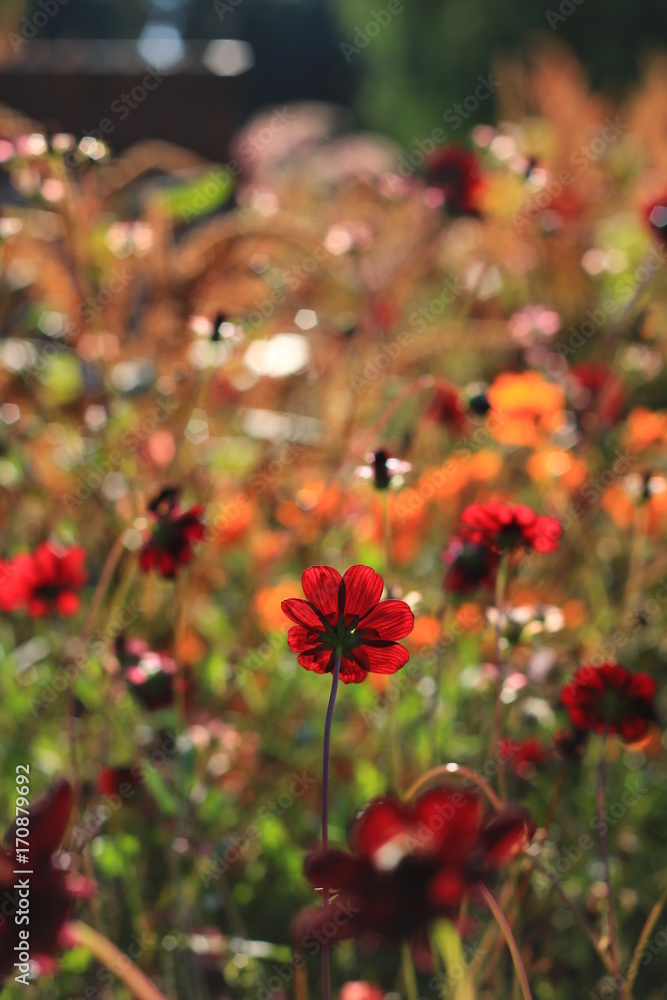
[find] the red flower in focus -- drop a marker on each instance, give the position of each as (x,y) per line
(610,699)
(505,527)
(170,543)
(523,756)
(656,217)
(598,391)
(455,171)
(46,580)
(51,888)
(412,864)
(343,615)
(469,565)
(446,408)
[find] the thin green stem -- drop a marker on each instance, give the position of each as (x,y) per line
(408,973)
(642,941)
(519,968)
(139,985)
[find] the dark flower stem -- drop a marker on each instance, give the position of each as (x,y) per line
(604,855)
(326,965)
(501,589)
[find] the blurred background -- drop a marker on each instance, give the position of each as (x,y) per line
(399,65)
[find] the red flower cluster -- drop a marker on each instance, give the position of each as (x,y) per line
(413,864)
(504,527)
(610,699)
(51,888)
(455,171)
(344,615)
(44,582)
(170,543)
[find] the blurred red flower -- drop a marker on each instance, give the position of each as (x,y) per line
(173,536)
(45,581)
(412,864)
(344,614)
(361,991)
(456,172)
(51,888)
(118,780)
(523,756)
(151,676)
(446,408)
(469,565)
(505,527)
(612,699)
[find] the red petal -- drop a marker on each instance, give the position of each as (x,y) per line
(380,822)
(314,659)
(320,585)
(363,589)
(300,612)
(68,603)
(642,686)
(351,672)
(506,835)
(390,619)
(382,659)
(333,869)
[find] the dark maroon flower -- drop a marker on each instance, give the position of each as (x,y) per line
(469,565)
(52,888)
(344,615)
(45,581)
(151,676)
(610,699)
(412,864)
(173,536)
(523,756)
(456,172)
(446,408)
(656,217)
(570,744)
(504,527)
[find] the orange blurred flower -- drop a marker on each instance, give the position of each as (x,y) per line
(530,407)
